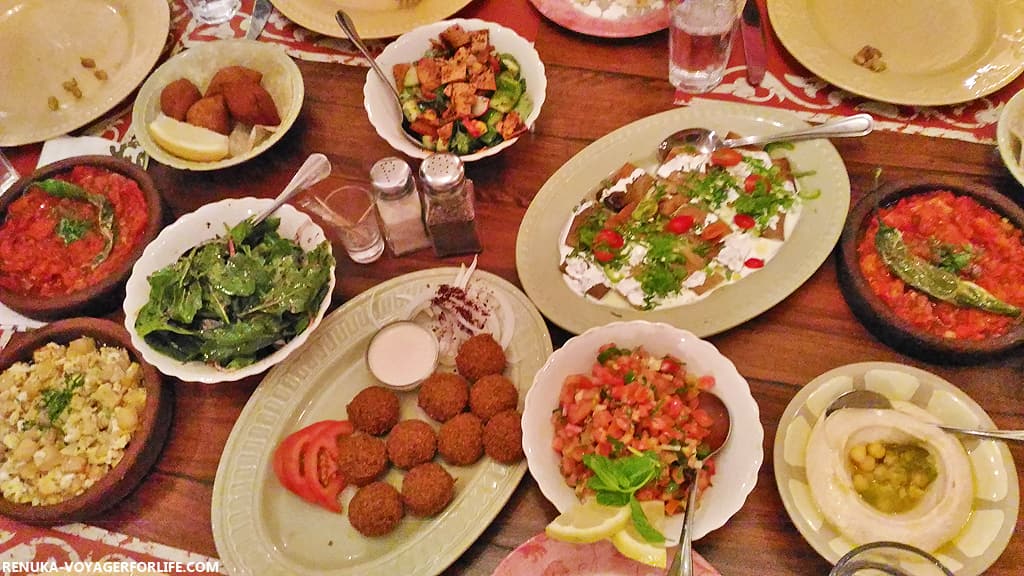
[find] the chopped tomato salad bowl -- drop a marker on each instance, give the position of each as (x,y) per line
(631,387)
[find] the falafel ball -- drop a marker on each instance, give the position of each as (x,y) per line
(492,394)
(411,443)
(503,437)
(374,410)
(427,489)
(376,509)
(479,356)
(363,458)
(461,439)
(443,395)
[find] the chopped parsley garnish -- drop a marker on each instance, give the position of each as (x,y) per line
(952,258)
(56,400)
(71,229)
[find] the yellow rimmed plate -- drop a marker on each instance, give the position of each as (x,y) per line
(261,528)
(373,18)
(819,227)
(43,44)
(936,52)
(996,498)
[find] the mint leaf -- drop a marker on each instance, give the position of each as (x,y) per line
(612,498)
(642,525)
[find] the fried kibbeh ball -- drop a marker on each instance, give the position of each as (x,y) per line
(251,104)
(376,509)
(461,440)
(374,410)
(503,437)
(362,458)
(411,443)
(210,113)
(479,356)
(177,97)
(427,489)
(492,394)
(443,395)
(230,74)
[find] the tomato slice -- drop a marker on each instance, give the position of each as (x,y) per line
(320,472)
(304,454)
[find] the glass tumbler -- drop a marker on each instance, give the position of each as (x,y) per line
(349,211)
(700,41)
(213,11)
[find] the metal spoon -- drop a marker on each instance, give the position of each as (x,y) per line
(349,28)
(314,169)
(706,141)
(682,563)
(873,400)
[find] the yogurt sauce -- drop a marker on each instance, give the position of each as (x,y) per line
(402,354)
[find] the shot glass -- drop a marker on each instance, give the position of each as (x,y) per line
(8,175)
(700,41)
(350,212)
(213,11)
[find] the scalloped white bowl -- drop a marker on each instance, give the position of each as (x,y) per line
(194,228)
(380,105)
(736,465)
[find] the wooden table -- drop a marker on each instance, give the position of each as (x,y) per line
(594,86)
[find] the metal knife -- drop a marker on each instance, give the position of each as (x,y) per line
(260,13)
(753,43)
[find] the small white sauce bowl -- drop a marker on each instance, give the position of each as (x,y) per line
(402,354)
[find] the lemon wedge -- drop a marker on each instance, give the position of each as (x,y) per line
(188,141)
(632,545)
(588,522)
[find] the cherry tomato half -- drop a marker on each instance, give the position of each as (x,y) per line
(754,263)
(680,224)
(752,182)
(744,221)
(609,238)
(726,157)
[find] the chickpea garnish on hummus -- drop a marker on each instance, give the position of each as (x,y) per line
(65,419)
(890,475)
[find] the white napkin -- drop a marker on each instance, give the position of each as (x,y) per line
(59,149)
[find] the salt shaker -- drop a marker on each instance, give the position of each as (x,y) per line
(451,218)
(399,206)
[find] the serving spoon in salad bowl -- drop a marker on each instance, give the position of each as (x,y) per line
(705,141)
(349,28)
(870,399)
(721,427)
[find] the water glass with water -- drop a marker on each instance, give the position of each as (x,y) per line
(213,11)
(700,41)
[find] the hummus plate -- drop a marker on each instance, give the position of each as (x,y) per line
(996,495)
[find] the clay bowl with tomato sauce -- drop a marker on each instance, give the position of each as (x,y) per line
(143,449)
(102,292)
(877,315)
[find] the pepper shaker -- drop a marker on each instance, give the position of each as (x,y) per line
(399,206)
(451,217)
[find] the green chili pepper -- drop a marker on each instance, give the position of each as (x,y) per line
(104,211)
(932,280)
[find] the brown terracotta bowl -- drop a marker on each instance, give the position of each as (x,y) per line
(101,297)
(877,316)
(141,452)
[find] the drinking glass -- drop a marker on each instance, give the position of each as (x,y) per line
(8,175)
(890,559)
(349,211)
(700,41)
(213,11)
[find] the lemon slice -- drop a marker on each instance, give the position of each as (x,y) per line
(188,141)
(588,522)
(632,545)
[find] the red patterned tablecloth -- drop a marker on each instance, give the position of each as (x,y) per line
(790,86)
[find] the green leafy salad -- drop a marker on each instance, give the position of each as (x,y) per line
(237,299)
